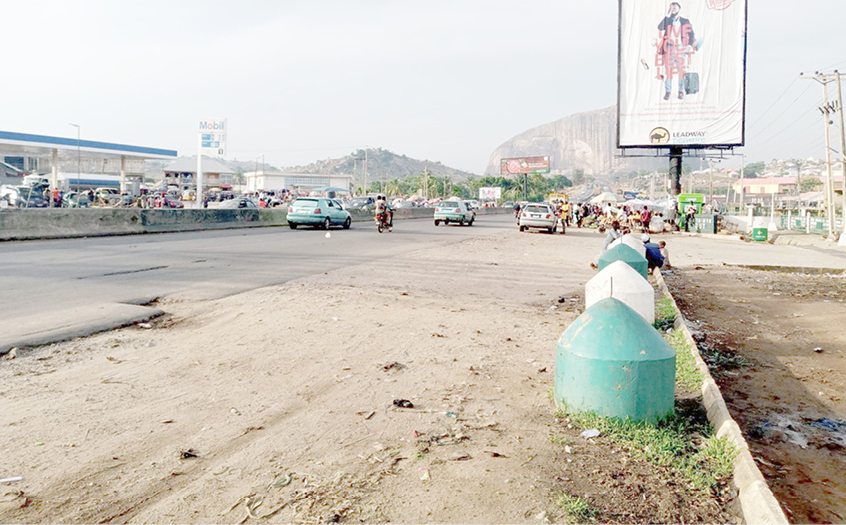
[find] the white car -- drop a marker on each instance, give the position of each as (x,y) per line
(537,215)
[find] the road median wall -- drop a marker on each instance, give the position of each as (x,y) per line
(93,222)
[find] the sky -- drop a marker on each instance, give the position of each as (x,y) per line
(438,80)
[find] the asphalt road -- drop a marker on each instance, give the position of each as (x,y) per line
(53,276)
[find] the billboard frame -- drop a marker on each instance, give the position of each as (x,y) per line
(682,146)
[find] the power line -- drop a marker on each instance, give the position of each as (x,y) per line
(803,115)
(773,104)
(783,112)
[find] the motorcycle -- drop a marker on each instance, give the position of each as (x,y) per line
(382,223)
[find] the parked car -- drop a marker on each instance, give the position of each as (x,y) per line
(537,215)
(71,200)
(361,203)
(454,211)
(406,204)
(317,211)
(23,197)
(237,204)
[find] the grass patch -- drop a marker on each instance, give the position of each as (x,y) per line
(665,310)
(576,510)
(687,373)
(558,440)
(683,443)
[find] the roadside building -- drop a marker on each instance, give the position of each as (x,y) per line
(258,181)
(183,174)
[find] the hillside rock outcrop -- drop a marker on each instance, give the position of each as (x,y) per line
(585,140)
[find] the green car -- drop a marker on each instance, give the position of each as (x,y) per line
(317,211)
(454,211)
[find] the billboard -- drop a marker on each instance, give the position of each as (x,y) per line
(681,73)
(524,165)
(490,194)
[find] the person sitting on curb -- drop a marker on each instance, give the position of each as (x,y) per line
(665,254)
(653,252)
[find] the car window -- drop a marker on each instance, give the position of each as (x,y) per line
(330,204)
(449,204)
(305,203)
(537,209)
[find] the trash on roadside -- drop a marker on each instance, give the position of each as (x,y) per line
(496,454)
(424,473)
(235,411)
(393,366)
(328,235)
(825,424)
(567,449)
(403,403)
(818,349)
(460,457)
(39,443)
(13,479)
(451,414)
(145,325)
(188,454)
(592,433)
(282,481)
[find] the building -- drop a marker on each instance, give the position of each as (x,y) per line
(183,173)
(277,180)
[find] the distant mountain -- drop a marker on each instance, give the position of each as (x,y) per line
(586,141)
(381,165)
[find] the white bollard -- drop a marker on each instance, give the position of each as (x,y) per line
(620,281)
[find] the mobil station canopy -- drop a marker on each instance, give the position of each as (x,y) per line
(74,152)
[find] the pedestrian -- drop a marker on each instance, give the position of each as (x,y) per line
(665,254)
(654,258)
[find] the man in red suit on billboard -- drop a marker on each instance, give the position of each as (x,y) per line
(676,43)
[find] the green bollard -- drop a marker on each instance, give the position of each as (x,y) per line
(612,362)
(628,255)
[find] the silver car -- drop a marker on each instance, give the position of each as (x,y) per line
(535,215)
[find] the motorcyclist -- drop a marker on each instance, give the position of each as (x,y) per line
(381,207)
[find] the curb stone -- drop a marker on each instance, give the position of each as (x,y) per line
(757,501)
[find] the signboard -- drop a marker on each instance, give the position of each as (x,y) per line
(524,165)
(213,137)
(681,73)
(490,194)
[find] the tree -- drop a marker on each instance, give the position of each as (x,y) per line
(578,176)
(754,169)
(809,184)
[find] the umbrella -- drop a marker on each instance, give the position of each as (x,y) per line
(331,188)
(605,196)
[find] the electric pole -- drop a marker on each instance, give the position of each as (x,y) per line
(842,152)
(826,109)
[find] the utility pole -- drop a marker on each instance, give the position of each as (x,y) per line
(365,170)
(742,189)
(826,109)
(711,182)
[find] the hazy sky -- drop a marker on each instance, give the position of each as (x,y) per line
(302,81)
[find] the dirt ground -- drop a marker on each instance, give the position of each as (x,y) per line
(285,404)
(774,338)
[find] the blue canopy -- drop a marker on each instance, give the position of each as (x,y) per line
(331,188)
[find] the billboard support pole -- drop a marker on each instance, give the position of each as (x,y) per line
(526,187)
(676,169)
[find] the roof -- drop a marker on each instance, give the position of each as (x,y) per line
(189,165)
(29,143)
(769,180)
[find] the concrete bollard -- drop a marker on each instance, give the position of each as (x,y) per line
(621,281)
(624,253)
(612,362)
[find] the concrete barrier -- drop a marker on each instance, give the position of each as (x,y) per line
(57,223)
(757,501)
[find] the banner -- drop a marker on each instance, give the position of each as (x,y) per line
(213,137)
(524,165)
(681,70)
(490,194)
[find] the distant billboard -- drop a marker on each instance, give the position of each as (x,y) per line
(681,73)
(490,194)
(524,165)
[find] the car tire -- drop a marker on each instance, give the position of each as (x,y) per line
(522,228)
(437,222)
(293,225)
(326,223)
(461,222)
(347,223)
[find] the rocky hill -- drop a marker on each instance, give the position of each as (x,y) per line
(582,141)
(381,163)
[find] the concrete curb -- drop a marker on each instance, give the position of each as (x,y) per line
(52,327)
(757,501)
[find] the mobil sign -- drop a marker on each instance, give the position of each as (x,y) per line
(213,137)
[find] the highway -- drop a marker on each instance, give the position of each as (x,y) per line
(53,276)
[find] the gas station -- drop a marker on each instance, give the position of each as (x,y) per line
(106,163)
